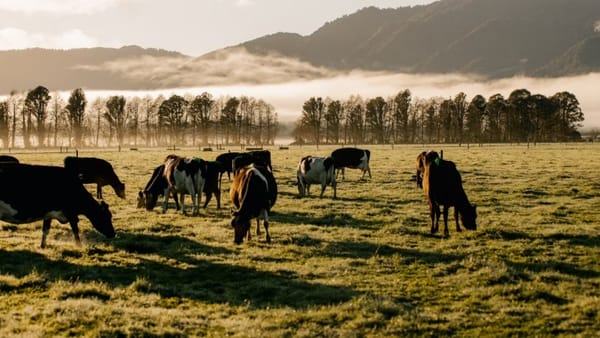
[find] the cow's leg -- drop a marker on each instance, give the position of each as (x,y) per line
(266,225)
(258,226)
(99,191)
(75,229)
(323,186)
(182,202)
(208,198)
(45,231)
(446,232)
(432,216)
(166,194)
(218,197)
(456,219)
(176,199)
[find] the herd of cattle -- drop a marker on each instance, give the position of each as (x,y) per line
(252,193)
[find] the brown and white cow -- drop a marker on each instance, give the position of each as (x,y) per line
(443,186)
(353,158)
(253,193)
(95,170)
(316,170)
(33,192)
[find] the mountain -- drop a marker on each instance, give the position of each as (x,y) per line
(488,37)
(25,69)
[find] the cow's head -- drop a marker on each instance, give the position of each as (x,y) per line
(241,226)
(102,221)
(468,217)
(120,190)
(150,200)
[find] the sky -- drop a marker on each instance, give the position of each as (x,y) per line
(192,27)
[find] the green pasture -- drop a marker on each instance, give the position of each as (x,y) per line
(363,265)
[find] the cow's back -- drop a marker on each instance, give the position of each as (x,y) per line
(442,183)
(34,190)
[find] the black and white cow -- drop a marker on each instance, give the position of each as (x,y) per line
(95,170)
(253,193)
(33,192)
(316,170)
(156,186)
(185,176)
(353,158)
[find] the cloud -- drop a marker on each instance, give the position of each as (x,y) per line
(15,38)
(244,3)
(57,6)
(597,26)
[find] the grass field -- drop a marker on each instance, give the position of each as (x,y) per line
(362,265)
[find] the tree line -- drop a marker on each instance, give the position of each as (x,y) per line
(522,117)
(39,119)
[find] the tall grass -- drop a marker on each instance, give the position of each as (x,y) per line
(364,264)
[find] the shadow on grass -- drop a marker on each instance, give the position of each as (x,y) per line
(351,249)
(565,268)
(584,240)
(332,219)
(199,279)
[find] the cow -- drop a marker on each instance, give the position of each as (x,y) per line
(185,176)
(443,186)
(253,193)
(226,159)
(34,192)
(316,170)
(155,187)
(95,170)
(6,159)
(353,158)
(421,166)
(258,157)
(211,184)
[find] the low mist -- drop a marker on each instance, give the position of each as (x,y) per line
(286,83)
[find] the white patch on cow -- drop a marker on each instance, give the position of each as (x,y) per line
(57,215)
(6,211)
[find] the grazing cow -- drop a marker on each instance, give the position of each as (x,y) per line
(155,187)
(421,166)
(95,170)
(260,157)
(185,176)
(226,159)
(316,170)
(253,193)
(353,158)
(4,159)
(443,186)
(34,192)
(211,184)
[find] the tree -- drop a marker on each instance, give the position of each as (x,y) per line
(200,111)
(333,116)
(229,118)
(75,111)
(475,118)
(312,117)
(116,117)
(460,105)
(4,123)
(400,116)
(171,114)
(568,114)
(36,103)
(132,108)
(496,111)
(520,115)
(375,117)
